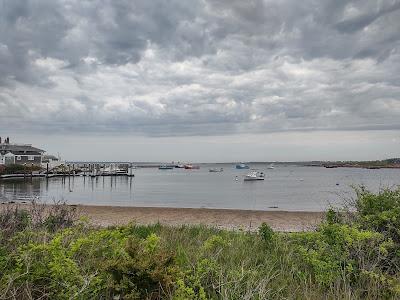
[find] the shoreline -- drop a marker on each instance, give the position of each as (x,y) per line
(232,219)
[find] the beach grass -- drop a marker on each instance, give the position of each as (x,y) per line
(353,254)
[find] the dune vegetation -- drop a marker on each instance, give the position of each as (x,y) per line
(47,253)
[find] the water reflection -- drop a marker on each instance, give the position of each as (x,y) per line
(97,190)
(21,189)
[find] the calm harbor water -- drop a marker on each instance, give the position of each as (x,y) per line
(289,187)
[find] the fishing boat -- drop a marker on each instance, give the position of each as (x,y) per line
(254,176)
(165,167)
(215,170)
(242,166)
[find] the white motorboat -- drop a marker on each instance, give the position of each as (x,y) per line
(121,172)
(254,176)
(271,166)
(113,170)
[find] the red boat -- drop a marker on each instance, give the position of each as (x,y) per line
(191,167)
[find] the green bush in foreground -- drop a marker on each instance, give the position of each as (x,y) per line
(352,255)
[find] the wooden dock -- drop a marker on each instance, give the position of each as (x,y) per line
(87,170)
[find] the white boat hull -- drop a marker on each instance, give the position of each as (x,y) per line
(254,176)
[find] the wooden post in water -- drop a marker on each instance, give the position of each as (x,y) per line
(47,170)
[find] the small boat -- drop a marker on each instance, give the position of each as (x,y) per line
(165,167)
(215,170)
(271,167)
(112,171)
(254,176)
(242,166)
(191,167)
(179,166)
(121,172)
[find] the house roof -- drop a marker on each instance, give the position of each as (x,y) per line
(18,148)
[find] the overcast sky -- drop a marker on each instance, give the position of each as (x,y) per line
(206,80)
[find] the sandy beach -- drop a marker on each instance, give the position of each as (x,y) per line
(220,218)
(288,221)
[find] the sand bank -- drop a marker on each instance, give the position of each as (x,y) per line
(221,218)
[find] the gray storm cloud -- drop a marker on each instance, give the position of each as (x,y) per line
(164,68)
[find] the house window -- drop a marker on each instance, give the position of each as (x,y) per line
(31,157)
(18,157)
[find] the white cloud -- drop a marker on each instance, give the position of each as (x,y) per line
(173,68)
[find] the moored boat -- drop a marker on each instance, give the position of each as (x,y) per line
(242,166)
(165,167)
(254,176)
(111,170)
(191,167)
(215,170)
(331,166)
(121,172)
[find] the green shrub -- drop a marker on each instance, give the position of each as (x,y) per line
(266,232)
(18,169)
(146,270)
(379,212)
(332,216)
(339,252)
(358,246)
(183,292)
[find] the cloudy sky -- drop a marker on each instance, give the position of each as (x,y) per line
(202,80)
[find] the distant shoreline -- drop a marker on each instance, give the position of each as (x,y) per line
(333,166)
